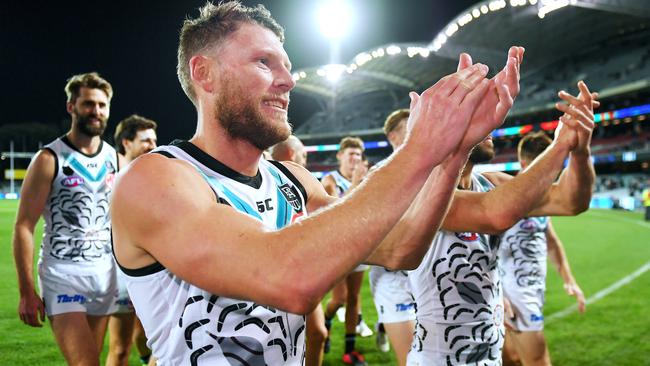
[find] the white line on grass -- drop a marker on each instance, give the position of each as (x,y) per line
(620,283)
(602,293)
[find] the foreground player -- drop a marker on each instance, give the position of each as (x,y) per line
(134,136)
(69,183)
(338,183)
(522,262)
(457,286)
(293,150)
(390,289)
(203,228)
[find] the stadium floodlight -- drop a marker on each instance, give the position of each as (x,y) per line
(334,19)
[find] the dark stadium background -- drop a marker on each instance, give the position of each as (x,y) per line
(133,44)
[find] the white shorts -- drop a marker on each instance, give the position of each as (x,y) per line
(392,295)
(361,268)
(122,304)
(62,292)
(528,307)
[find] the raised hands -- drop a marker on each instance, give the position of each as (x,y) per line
(503,88)
(441,115)
(577,123)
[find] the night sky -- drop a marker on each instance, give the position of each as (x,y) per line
(133,45)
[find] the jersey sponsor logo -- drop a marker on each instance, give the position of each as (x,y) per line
(63,298)
(536,317)
(91,165)
(263,206)
(467,236)
(72,181)
(290,193)
(404,307)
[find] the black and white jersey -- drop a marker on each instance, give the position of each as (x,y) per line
(342,183)
(77,221)
(186,325)
(522,256)
(458,298)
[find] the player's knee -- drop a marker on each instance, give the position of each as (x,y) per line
(316,334)
(119,353)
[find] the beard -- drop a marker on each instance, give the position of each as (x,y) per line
(86,127)
(481,154)
(239,115)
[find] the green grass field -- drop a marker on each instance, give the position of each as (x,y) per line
(603,247)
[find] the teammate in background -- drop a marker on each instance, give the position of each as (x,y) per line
(390,289)
(337,183)
(646,201)
(203,228)
(69,183)
(457,286)
(134,136)
(293,150)
(522,263)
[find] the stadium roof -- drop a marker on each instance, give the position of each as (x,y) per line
(551,31)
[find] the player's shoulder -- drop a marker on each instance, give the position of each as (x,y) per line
(155,174)
(497,178)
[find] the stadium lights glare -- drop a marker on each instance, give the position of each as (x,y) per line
(334,19)
(332,72)
(552,5)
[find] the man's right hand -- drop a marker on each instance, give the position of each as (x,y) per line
(31,309)
(440,116)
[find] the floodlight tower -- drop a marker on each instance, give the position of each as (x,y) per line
(334,20)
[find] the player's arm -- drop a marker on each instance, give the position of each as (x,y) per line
(329,184)
(572,193)
(164,211)
(558,258)
(33,196)
(532,193)
(409,240)
(407,243)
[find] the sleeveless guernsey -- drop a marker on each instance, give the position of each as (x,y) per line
(342,183)
(76,236)
(186,325)
(458,298)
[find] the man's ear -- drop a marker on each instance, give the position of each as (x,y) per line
(201,72)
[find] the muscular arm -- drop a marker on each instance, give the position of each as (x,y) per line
(495,211)
(405,245)
(176,221)
(33,196)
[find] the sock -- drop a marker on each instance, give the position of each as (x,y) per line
(360,318)
(349,342)
(381,328)
(328,323)
(145,359)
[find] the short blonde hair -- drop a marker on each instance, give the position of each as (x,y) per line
(394,119)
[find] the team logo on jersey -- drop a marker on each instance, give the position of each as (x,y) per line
(67,170)
(72,181)
(528,224)
(110,166)
(290,193)
(110,178)
(467,236)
